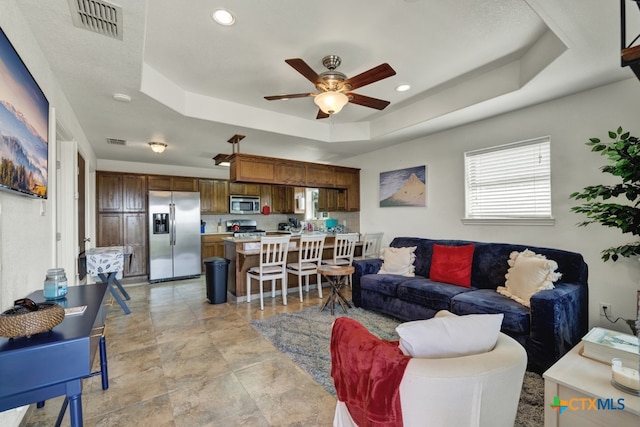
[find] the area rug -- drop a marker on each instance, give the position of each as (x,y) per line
(304,337)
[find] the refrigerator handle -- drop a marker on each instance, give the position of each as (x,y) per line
(172,214)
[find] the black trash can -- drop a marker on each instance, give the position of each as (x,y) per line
(216,277)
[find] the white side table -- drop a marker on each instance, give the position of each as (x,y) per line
(578,382)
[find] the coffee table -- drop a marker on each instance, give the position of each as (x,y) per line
(337,276)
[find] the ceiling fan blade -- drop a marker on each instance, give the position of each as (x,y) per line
(366,101)
(380,72)
(291,95)
(300,66)
(321,114)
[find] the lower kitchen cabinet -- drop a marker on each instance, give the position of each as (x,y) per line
(126,229)
(213,245)
(135,235)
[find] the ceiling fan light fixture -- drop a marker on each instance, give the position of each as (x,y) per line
(331,102)
(158,147)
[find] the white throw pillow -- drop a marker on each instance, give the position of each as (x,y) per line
(450,336)
(528,273)
(398,261)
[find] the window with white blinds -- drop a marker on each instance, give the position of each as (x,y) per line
(510,181)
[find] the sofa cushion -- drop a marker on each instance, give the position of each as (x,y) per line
(516,316)
(452,264)
(434,295)
(450,336)
(398,261)
(528,273)
(386,284)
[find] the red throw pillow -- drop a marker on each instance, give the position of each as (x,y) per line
(452,264)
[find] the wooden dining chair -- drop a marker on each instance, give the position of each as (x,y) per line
(273,266)
(309,258)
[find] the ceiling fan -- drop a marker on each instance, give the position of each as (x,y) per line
(334,88)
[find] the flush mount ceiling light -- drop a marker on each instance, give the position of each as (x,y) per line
(121,97)
(403,88)
(158,147)
(223,17)
(331,102)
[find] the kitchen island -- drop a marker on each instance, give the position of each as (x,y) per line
(244,253)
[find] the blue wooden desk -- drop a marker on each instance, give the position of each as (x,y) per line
(54,363)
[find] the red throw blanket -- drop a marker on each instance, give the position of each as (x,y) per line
(367,372)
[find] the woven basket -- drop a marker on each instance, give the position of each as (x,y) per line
(21,322)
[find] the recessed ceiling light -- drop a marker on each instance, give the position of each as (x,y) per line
(403,88)
(121,97)
(223,17)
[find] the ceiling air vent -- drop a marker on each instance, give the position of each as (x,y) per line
(115,141)
(97,16)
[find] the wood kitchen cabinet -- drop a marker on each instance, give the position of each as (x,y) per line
(282,199)
(214,196)
(269,170)
(109,227)
(212,246)
(109,192)
(290,173)
(349,179)
(172,183)
(266,195)
(318,175)
(134,193)
(135,235)
(327,199)
(122,216)
(244,189)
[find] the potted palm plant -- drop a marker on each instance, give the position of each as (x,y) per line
(616,205)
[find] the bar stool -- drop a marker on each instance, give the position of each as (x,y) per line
(273,259)
(343,250)
(371,245)
(309,259)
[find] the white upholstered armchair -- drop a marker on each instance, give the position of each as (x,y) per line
(477,390)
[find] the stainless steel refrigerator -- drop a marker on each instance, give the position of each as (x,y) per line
(174,235)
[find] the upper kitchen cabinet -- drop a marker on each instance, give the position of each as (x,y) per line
(323,176)
(117,192)
(290,172)
(134,193)
(282,199)
(172,183)
(109,192)
(214,196)
(249,168)
(244,189)
(269,170)
(350,180)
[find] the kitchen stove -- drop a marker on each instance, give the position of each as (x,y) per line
(244,228)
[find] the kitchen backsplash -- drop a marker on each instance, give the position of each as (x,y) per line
(351,220)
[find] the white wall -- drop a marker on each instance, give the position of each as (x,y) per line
(27,242)
(570,122)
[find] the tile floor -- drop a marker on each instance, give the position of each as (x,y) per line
(177,360)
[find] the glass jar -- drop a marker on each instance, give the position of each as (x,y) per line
(55,284)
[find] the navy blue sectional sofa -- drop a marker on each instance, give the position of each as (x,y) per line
(555,322)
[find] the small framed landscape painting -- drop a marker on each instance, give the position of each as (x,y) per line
(404,187)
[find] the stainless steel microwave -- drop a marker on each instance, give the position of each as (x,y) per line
(244,204)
